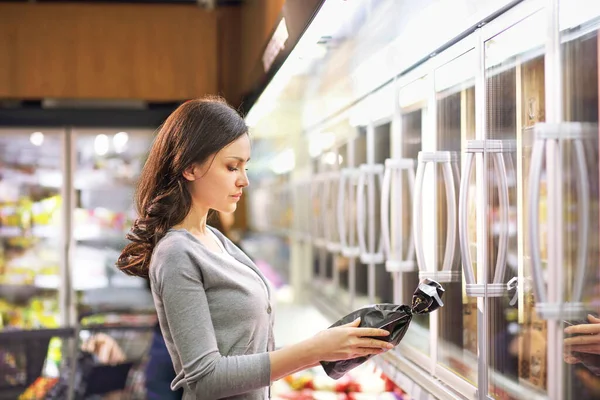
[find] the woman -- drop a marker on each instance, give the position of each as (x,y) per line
(213,304)
(159,372)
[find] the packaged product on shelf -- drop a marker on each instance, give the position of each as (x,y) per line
(39,388)
(394,318)
(365,382)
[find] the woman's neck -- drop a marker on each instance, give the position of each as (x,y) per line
(194,222)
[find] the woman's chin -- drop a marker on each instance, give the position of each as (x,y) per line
(229,208)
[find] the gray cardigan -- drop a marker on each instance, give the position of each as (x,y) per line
(215,317)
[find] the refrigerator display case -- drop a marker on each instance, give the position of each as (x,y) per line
(578,250)
(454,85)
(107,164)
(413,111)
(368,211)
(31,209)
(67,204)
(514,75)
(346,212)
(489,184)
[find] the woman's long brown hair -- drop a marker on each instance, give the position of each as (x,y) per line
(195,131)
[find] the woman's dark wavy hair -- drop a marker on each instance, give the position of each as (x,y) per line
(191,134)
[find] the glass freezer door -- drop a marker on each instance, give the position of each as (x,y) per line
(108,164)
(412,101)
(515,102)
(579,31)
(31,226)
(455,121)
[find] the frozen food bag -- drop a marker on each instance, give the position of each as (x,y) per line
(391,317)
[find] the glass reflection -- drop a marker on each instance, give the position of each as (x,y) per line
(515,103)
(579,50)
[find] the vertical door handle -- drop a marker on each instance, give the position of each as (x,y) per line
(371,249)
(385,210)
(583,192)
(451,214)
(396,262)
(446,159)
(535,174)
(341,208)
(360,212)
(463,220)
(500,169)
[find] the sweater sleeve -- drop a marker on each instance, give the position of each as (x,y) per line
(209,374)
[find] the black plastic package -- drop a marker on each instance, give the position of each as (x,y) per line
(391,317)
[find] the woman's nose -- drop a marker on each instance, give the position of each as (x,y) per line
(243,181)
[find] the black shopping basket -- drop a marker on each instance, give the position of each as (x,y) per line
(123,376)
(86,372)
(99,373)
(22,357)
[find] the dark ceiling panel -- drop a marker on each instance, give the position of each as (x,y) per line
(219,3)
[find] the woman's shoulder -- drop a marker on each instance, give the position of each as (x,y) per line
(174,241)
(172,250)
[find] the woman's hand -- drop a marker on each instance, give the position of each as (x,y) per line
(586,341)
(349,341)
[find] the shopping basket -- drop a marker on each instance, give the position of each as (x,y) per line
(22,357)
(120,354)
(104,361)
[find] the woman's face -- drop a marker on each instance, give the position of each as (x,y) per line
(218,183)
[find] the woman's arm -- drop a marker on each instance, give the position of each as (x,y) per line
(334,344)
(292,358)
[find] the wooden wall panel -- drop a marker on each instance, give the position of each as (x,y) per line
(259,20)
(243,33)
(229,43)
(107,51)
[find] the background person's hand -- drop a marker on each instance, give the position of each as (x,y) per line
(105,348)
(349,341)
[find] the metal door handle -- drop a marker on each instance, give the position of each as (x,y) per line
(360,212)
(385,211)
(446,159)
(463,222)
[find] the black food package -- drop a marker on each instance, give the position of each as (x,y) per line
(391,317)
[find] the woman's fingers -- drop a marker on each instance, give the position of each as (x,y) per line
(374,344)
(368,350)
(352,324)
(365,351)
(369,332)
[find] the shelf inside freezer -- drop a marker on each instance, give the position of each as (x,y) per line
(18,293)
(39,232)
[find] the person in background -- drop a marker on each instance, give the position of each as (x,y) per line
(213,303)
(159,372)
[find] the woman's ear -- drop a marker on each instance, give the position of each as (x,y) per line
(190,173)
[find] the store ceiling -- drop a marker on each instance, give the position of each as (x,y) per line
(202,3)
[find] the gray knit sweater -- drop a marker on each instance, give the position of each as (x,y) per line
(215,316)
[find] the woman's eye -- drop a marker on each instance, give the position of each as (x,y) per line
(232,169)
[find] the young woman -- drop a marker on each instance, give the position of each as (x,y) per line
(213,304)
